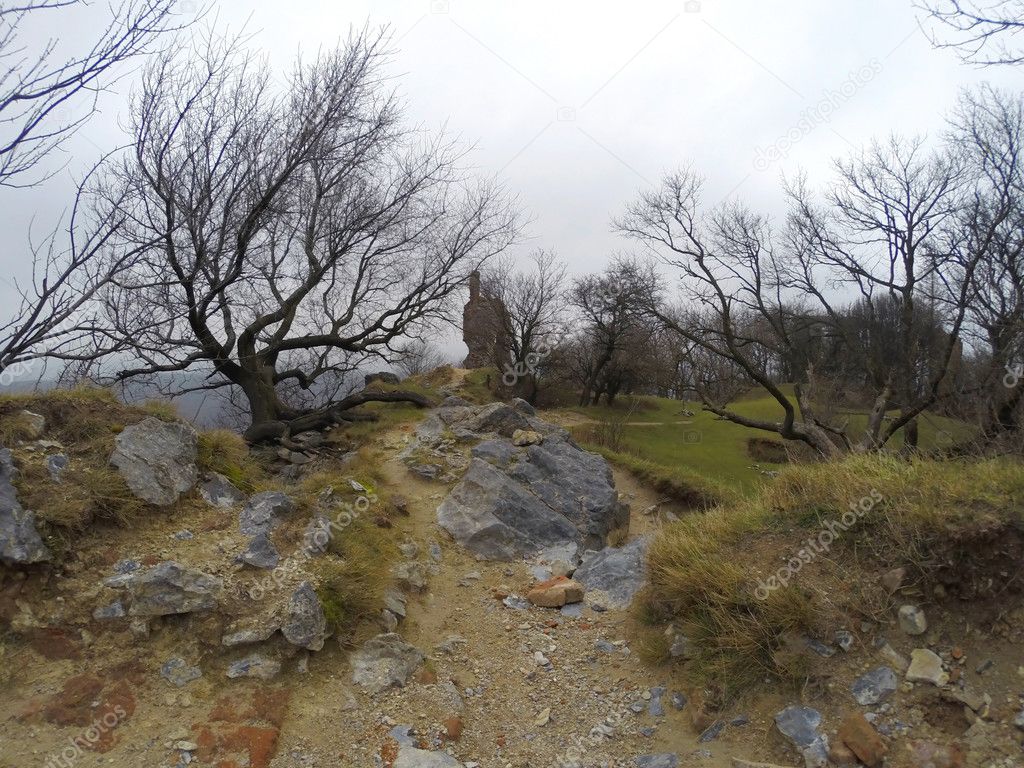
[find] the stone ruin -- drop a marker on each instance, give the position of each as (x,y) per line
(483,327)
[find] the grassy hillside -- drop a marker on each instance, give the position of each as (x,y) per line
(659,431)
(805,555)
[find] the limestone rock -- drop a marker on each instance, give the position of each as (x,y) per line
(874,686)
(304,622)
(514,502)
(220,492)
(386,661)
(55,465)
(253,629)
(261,553)
(385,377)
(410,757)
(20,542)
(169,588)
(263,512)
(912,620)
(799,724)
(178,672)
(617,572)
(500,418)
(33,424)
(926,667)
(157,459)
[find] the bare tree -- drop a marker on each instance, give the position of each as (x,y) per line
(418,356)
(301,229)
(42,92)
(899,231)
(533,301)
(989,124)
(612,329)
(56,316)
(981,32)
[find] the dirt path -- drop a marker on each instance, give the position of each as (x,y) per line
(483,677)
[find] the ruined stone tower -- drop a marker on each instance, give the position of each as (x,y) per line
(483,327)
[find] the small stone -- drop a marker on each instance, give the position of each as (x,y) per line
(712,732)
(926,754)
(55,465)
(453,728)
(680,648)
(555,593)
(524,437)
(799,724)
(657,761)
(874,686)
(305,624)
(33,424)
(178,672)
(113,611)
(894,658)
(573,611)
(655,708)
(893,580)
(679,700)
(254,666)
(385,661)
(261,553)
(858,734)
(926,667)
(844,639)
(912,620)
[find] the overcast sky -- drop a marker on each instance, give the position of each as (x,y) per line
(577,105)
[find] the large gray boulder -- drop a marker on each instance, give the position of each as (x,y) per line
(386,661)
(304,622)
(616,572)
(157,459)
(170,588)
(20,542)
(516,501)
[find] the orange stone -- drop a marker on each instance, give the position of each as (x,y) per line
(453,728)
(556,592)
(861,737)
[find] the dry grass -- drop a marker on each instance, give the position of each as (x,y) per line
(351,579)
(85,420)
(227,453)
(940,520)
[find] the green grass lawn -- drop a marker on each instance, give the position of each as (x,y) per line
(716,448)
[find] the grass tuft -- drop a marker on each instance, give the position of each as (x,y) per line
(226,452)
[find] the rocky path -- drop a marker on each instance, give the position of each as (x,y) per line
(502,686)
